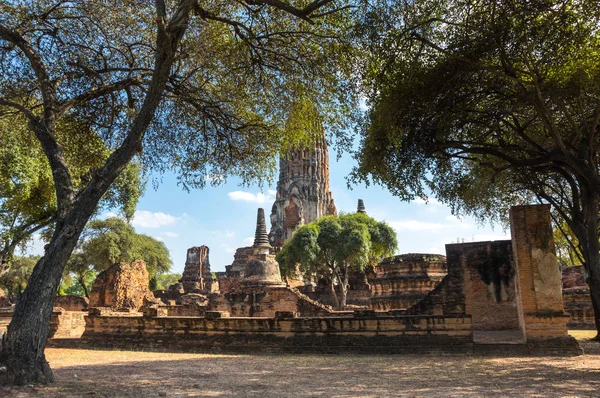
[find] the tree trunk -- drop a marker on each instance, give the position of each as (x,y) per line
(22,359)
(586,231)
(85,289)
(343,287)
(333,293)
(22,356)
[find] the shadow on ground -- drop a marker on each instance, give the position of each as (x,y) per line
(142,374)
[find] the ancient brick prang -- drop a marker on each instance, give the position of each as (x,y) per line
(402,281)
(196,275)
(577,299)
(122,286)
(302,191)
(361,207)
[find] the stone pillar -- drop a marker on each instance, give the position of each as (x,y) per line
(539,290)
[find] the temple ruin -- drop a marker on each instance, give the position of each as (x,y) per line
(402,281)
(196,277)
(302,191)
(496,297)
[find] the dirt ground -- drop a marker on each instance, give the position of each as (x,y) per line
(85,373)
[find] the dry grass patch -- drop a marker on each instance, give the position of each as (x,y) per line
(146,374)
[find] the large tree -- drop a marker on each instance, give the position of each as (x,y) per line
(201,86)
(334,246)
(27,194)
(486,104)
(106,242)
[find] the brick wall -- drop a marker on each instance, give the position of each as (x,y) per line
(540,307)
(66,324)
(489,285)
(266,303)
(368,334)
(63,324)
(72,303)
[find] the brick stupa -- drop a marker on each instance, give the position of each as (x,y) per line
(262,269)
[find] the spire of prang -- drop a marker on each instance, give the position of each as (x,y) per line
(260,237)
(361,207)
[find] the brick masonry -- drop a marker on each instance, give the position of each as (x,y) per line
(539,287)
(576,298)
(516,281)
(489,283)
(362,334)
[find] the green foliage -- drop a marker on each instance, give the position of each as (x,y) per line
(485,104)
(163,281)
(15,280)
(333,246)
(73,284)
(27,193)
(106,242)
(567,247)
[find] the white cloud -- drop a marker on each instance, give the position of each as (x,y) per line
(111,214)
(226,234)
(158,238)
(452,218)
(415,225)
(249,241)
(148,219)
(429,201)
(170,234)
(259,197)
(488,237)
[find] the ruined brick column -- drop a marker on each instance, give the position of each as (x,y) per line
(539,290)
(197,277)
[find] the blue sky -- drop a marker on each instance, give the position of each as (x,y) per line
(223,218)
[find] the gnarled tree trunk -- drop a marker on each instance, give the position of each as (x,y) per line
(586,230)
(22,355)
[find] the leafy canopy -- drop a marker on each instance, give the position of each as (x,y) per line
(485,104)
(334,245)
(238,71)
(15,280)
(106,242)
(27,192)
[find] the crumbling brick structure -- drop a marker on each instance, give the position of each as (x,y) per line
(197,277)
(404,280)
(122,286)
(576,297)
(506,288)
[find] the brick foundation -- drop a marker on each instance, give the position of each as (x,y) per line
(366,334)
